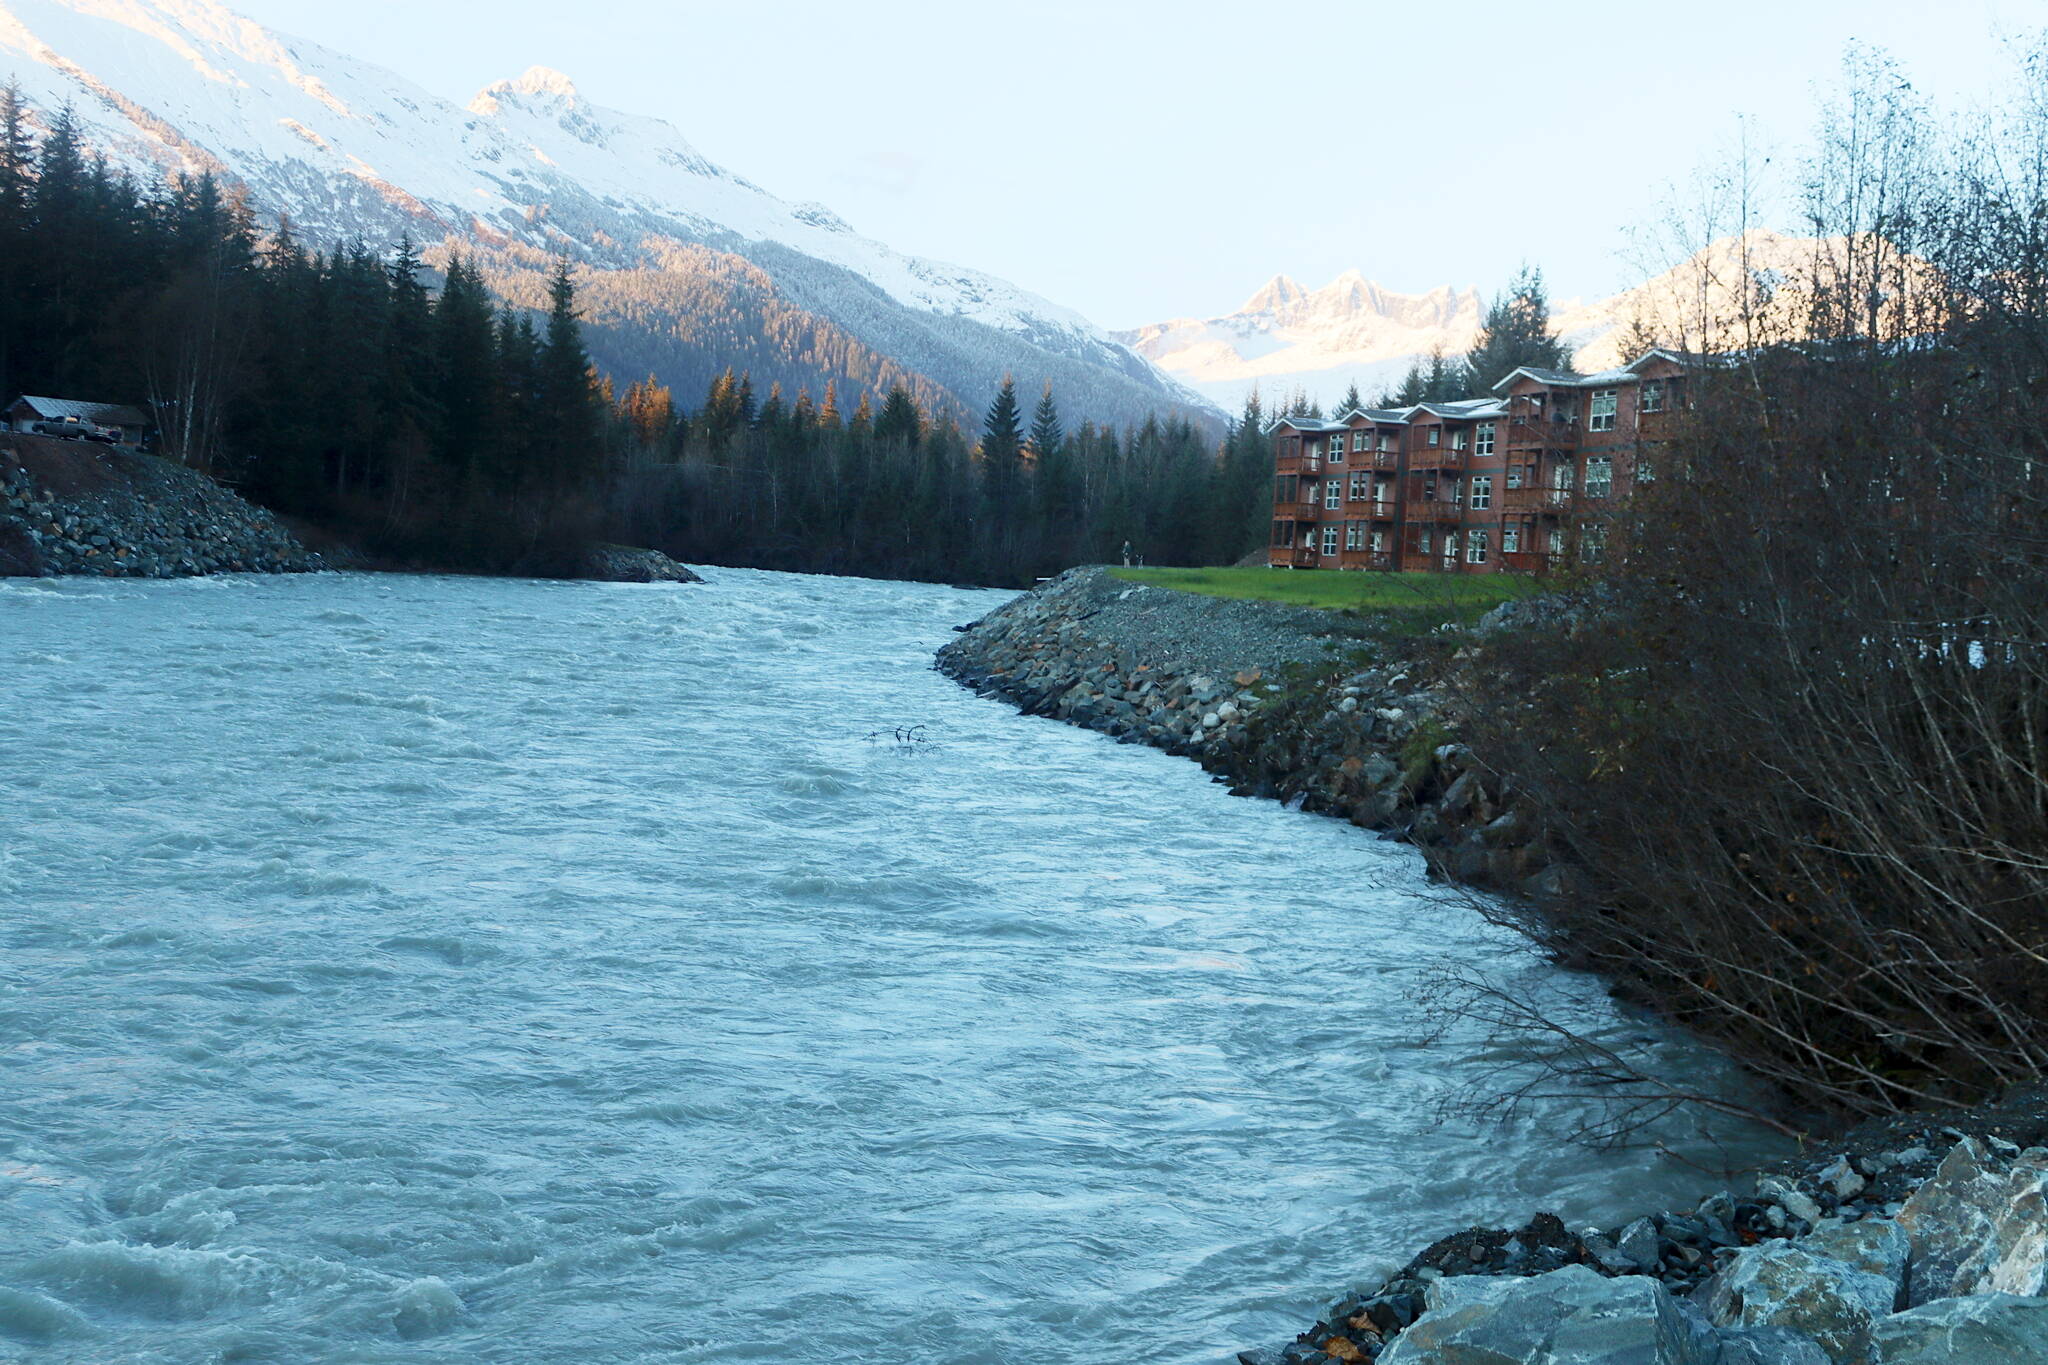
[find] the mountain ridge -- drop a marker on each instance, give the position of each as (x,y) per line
(530,168)
(1356,331)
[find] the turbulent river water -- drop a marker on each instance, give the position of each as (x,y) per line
(416,969)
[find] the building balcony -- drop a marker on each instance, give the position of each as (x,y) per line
(1439,457)
(1541,501)
(1298,511)
(1526,561)
(1541,433)
(1433,509)
(1290,557)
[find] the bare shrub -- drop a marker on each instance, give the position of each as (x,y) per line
(1802,758)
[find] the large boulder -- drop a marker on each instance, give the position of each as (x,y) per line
(1979,1226)
(20,556)
(1877,1245)
(1984,1329)
(1781,1284)
(1573,1316)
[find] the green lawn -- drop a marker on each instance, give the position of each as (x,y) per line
(1438,596)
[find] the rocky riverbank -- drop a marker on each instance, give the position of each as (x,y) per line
(67,507)
(1910,1244)
(1298,705)
(1872,1256)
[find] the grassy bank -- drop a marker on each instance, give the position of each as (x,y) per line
(1416,598)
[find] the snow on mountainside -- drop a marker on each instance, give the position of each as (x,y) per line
(1353,331)
(527,169)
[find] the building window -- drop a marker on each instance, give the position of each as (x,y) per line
(1453,491)
(1359,439)
(1475,547)
(1333,494)
(1354,535)
(1600,413)
(1337,449)
(1329,540)
(1482,442)
(1283,534)
(1482,492)
(1458,439)
(1386,440)
(1556,541)
(1383,493)
(1284,488)
(1514,476)
(1561,478)
(1593,544)
(1361,487)
(1599,475)
(1379,542)
(1422,541)
(1435,435)
(1510,540)
(1645,471)
(1450,547)
(1652,399)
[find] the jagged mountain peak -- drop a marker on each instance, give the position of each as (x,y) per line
(1355,331)
(1276,294)
(537,85)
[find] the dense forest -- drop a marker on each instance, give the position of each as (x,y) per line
(397,404)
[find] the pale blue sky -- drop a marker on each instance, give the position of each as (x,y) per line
(1137,160)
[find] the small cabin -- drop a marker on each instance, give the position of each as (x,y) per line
(126,421)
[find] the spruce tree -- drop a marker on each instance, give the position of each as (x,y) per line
(568,410)
(1352,402)
(900,419)
(1414,388)
(1446,379)
(1516,332)
(1046,435)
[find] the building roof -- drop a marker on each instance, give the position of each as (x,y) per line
(1464,408)
(102,414)
(1377,414)
(1308,424)
(1626,374)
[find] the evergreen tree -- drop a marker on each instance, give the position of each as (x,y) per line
(1516,332)
(1414,388)
(567,407)
(900,419)
(17,171)
(1352,402)
(1446,380)
(1046,435)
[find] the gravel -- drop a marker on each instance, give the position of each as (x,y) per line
(1206,634)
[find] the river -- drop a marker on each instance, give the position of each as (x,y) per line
(441,969)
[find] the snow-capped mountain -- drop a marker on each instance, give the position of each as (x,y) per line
(529,169)
(1351,330)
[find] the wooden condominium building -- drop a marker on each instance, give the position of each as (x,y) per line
(1518,481)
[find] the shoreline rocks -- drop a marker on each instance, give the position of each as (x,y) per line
(1916,1266)
(67,508)
(1288,703)
(632,564)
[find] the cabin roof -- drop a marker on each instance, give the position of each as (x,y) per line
(102,414)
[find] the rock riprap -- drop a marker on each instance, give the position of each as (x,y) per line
(1877,1259)
(69,508)
(1282,702)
